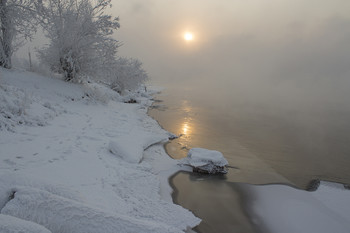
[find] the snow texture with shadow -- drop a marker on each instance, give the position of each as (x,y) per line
(63,176)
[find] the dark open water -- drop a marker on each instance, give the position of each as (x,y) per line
(271,138)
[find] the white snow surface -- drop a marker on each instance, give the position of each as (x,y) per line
(9,224)
(133,151)
(280,208)
(56,165)
(198,157)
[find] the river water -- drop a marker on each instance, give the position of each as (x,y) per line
(271,138)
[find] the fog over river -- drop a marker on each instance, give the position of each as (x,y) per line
(264,82)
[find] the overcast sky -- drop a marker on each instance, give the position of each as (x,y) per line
(239,44)
(240,41)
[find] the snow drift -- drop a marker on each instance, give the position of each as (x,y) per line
(280,208)
(9,224)
(63,215)
(130,146)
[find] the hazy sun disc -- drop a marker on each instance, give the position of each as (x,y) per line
(188,36)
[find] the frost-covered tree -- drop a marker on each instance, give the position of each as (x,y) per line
(16,24)
(79,32)
(127,74)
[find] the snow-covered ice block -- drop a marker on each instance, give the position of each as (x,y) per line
(9,224)
(130,147)
(204,160)
(63,215)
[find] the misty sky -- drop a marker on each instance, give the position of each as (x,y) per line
(241,43)
(280,66)
(240,46)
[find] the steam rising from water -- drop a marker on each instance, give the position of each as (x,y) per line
(273,72)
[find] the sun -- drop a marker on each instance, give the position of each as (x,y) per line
(188,36)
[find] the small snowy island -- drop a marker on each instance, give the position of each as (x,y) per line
(205,161)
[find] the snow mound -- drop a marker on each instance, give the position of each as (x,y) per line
(100,93)
(204,160)
(9,224)
(281,208)
(63,215)
(9,181)
(334,196)
(130,147)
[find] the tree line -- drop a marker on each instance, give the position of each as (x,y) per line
(80,39)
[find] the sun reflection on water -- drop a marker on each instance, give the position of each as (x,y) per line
(186,126)
(186,129)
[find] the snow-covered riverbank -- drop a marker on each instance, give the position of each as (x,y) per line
(280,208)
(75,158)
(69,160)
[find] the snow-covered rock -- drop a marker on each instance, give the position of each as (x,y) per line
(9,224)
(205,161)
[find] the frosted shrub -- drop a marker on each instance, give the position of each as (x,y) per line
(126,75)
(130,73)
(80,36)
(81,44)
